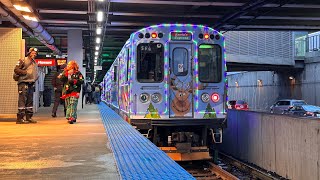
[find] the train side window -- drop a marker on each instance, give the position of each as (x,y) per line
(210,63)
(150,62)
(180,61)
(115,73)
(128,64)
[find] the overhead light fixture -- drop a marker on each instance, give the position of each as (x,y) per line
(22,6)
(101,0)
(30,17)
(97,48)
(99,30)
(99,16)
(98,40)
(96,53)
(95,61)
(96,57)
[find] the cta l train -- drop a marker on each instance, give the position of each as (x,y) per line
(169,81)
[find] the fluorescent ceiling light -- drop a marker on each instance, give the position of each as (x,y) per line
(99,16)
(95,61)
(97,48)
(22,7)
(30,18)
(99,30)
(96,53)
(98,40)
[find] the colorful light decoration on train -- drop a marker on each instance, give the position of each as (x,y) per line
(208,33)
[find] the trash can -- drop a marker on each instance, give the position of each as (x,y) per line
(47,93)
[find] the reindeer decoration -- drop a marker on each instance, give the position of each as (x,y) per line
(180,104)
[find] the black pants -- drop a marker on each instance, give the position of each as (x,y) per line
(57,101)
(25,102)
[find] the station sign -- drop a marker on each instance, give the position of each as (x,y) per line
(181,36)
(46,62)
(61,62)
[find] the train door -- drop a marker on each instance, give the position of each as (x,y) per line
(181,81)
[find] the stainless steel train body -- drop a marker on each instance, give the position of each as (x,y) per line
(169,81)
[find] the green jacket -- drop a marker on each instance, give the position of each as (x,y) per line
(73,83)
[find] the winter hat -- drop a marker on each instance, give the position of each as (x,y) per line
(32,49)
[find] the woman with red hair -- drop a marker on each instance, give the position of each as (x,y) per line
(72,79)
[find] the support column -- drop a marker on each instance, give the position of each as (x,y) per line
(75,52)
(10,53)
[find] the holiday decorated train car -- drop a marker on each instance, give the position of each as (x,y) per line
(169,81)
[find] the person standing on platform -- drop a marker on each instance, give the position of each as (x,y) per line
(97,95)
(57,86)
(88,93)
(72,79)
(26,73)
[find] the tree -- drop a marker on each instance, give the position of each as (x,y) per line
(152,112)
(210,112)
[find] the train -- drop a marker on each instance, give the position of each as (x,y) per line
(169,82)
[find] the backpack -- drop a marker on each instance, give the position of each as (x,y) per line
(16,76)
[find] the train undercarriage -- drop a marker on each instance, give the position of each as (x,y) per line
(182,139)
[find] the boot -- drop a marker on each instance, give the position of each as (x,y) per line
(20,119)
(54,115)
(29,118)
(70,121)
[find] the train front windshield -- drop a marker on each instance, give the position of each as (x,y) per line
(150,62)
(210,68)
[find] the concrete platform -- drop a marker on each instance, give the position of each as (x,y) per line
(53,149)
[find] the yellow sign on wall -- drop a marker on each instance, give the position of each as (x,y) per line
(61,61)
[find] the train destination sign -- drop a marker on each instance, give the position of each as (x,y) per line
(181,36)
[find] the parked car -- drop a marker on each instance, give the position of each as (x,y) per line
(281,106)
(304,110)
(238,104)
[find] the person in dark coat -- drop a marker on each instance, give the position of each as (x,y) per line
(57,86)
(26,74)
(73,80)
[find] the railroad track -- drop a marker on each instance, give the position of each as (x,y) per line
(207,171)
(247,171)
(229,168)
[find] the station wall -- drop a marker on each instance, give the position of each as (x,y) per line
(260,47)
(261,89)
(286,145)
(310,83)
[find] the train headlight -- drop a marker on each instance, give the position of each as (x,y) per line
(156,97)
(144,97)
(154,35)
(215,97)
(205,97)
